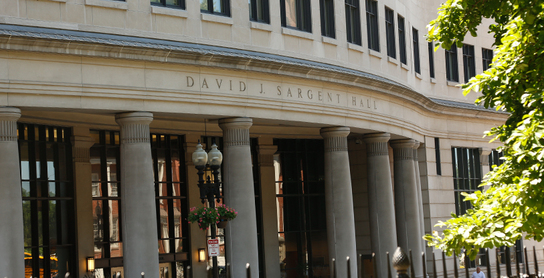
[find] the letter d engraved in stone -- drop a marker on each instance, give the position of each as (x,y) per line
(190,81)
(242,86)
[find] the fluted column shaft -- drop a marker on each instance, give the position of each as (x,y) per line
(381,201)
(339,200)
(239,193)
(419,194)
(11,199)
(406,201)
(140,251)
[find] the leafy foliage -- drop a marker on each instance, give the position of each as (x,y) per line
(205,216)
(514,202)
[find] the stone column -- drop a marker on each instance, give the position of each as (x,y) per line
(406,201)
(139,220)
(419,194)
(239,193)
(380,200)
(81,145)
(339,200)
(11,198)
(268,207)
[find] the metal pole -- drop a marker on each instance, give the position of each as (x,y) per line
(424,264)
(349,268)
(517,261)
(455,271)
(388,266)
(536,261)
(444,265)
(374,265)
(248,271)
(508,261)
(527,271)
(412,271)
(498,263)
(488,262)
(360,265)
(333,264)
(188,274)
(467,262)
(435,275)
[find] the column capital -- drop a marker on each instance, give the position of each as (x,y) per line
(416,147)
(235,131)
(8,123)
(484,156)
(337,131)
(335,138)
(376,144)
(403,149)
(134,126)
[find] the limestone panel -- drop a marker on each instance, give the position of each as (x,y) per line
(260,38)
(74,13)
(169,24)
(8,8)
(113,75)
(44,10)
(217,31)
(109,17)
(139,20)
(44,71)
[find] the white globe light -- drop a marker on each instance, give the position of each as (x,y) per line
(200,157)
(215,157)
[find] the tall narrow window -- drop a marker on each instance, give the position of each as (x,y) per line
(327,18)
(415,42)
(171,203)
(467,176)
(259,11)
(219,7)
(437,156)
(431,59)
(372,25)
(296,14)
(106,194)
(468,62)
(487,58)
(390,32)
(48,200)
(452,71)
(300,192)
(178,4)
(353,22)
(402,39)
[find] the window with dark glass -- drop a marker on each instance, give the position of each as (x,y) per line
(300,192)
(219,7)
(468,62)
(259,11)
(390,32)
(296,14)
(402,39)
(467,176)
(487,58)
(48,200)
(415,42)
(171,203)
(452,71)
(327,18)
(372,25)
(179,4)
(106,185)
(431,59)
(353,22)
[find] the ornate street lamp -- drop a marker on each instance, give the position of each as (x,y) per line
(209,190)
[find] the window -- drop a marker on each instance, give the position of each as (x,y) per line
(415,36)
(105,174)
(468,62)
(258,11)
(402,39)
(437,156)
(487,58)
(48,203)
(171,203)
(296,14)
(467,175)
(327,18)
(353,22)
(180,4)
(372,25)
(300,191)
(220,7)
(452,72)
(431,59)
(390,32)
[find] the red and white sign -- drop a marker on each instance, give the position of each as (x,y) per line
(213,247)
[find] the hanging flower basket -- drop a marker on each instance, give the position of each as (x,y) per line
(205,216)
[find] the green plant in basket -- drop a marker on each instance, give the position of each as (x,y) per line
(205,216)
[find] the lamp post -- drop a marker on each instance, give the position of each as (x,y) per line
(209,190)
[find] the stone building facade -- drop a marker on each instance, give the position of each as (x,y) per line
(343,133)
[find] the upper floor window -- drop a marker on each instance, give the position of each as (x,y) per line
(415,36)
(372,25)
(402,39)
(468,62)
(327,18)
(431,59)
(258,11)
(353,22)
(487,58)
(390,32)
(180,4)
(452,71)
(220,7)
(296,14)
(467,175)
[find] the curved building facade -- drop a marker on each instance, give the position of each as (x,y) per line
(343,133)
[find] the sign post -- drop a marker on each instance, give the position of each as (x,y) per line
(213,247)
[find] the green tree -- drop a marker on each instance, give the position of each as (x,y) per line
(514,202)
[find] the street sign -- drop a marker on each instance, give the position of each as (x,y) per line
(213,247)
